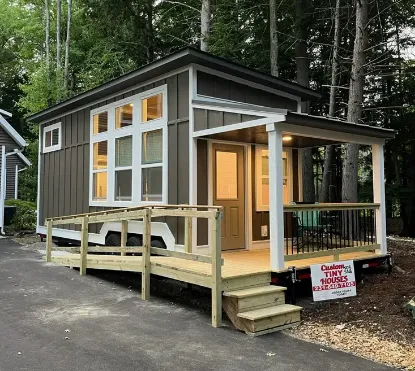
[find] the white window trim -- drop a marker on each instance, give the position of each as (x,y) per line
(258,175)
(56,147)
(135,130)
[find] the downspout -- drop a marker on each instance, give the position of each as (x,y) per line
(16,183)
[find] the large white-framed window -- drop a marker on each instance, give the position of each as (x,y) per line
(262,177)
(52,137)
(129,151)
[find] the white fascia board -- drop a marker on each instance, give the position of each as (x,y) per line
(24,158)
(5,113)
(12,132)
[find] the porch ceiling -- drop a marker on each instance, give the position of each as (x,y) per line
(259,135)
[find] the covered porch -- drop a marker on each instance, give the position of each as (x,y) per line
(299,234)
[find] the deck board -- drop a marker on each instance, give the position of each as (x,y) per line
(236,263)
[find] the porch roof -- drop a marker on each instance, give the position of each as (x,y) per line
(302,127)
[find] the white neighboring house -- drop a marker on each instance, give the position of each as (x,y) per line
(12,162)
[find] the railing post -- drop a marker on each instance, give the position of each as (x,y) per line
(145,275)
(49,241)
(124,231)
(216,270)
(84,246)
(188,234)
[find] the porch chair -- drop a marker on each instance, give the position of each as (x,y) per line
(310,230)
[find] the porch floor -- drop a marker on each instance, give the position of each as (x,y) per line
(236,263)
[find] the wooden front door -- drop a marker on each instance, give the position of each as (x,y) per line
(229,192)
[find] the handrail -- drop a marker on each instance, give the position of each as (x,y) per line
(128,209)
(331,206)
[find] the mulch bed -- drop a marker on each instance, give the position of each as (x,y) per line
(376,323)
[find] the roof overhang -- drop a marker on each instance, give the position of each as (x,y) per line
(182,58)
(12,132)
(24,159)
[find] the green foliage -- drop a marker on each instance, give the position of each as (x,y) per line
(25,217)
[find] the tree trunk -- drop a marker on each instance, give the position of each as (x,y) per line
(354,114)
(150,31)
(205,25)
(303,79)
(47,36)
(328,160)
(67,47)
(58,35)
(273,37)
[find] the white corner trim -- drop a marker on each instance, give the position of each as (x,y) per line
(239,126)
(16,181)
(12,132)
(55,147)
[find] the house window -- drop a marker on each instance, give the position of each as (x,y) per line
(152,108)
(123,168)
(100,123)
(52,138)
(152,165)
(262,179)
(129,151)
(124,116)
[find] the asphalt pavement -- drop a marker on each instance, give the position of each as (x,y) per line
(51,318)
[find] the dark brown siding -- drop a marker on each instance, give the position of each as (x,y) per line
(218,87)
(207,119)
(7,140)
(64,174)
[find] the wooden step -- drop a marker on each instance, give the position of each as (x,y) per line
(245,281)
(254,297)
(254,291)
(275,317)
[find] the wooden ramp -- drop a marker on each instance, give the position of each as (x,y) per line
(251,303)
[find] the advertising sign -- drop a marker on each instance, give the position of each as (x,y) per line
(333,280)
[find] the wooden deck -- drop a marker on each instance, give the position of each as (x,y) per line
(236,264)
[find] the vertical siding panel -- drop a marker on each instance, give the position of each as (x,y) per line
(183,174)
(56,175)
(62,181)
(202,189)
(183,95)
(172,173)
(74,178)
(67,181)
(172,97)
(41,185)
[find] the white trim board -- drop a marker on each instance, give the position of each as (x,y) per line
(238,126)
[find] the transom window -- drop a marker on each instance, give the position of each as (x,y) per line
(52,137)
(129,151)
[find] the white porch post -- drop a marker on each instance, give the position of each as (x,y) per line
(2,187)
(379,195)
(276,206)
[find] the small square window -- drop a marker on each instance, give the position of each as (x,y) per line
(124,116)
(123,151)
(123,185)
(152,147)
(51,138)
(152,108)
(152,184)
(100,123)
(100,185)
(100,155)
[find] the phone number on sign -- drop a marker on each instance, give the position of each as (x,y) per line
(334,286)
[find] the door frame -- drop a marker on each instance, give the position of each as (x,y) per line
(248,187)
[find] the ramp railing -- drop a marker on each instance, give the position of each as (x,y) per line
(146,213)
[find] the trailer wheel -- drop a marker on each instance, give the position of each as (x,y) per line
(113,239)
(158,243)
(134,241)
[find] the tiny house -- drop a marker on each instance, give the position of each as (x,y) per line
(12,162)
(195,129)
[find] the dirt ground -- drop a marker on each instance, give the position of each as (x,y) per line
(376,323)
